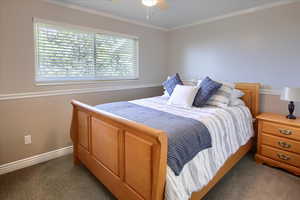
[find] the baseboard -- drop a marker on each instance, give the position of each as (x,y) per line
(19,164)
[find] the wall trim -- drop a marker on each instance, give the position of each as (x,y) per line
(237,13)
(25,95)
(19,164)
(72,91)
(105,14)
(270,91)
(209,20)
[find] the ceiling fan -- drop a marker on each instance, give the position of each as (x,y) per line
(150,4)
(162,4)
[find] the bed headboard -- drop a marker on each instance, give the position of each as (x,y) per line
(251,97)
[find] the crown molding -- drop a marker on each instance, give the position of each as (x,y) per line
(20,164)
(105,14)
(205,21)
(14,96)
(237,13)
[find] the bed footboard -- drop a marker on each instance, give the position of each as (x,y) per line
(130,159)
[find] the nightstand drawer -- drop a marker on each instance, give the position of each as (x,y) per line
(280,155)
(281,130)
(281,143)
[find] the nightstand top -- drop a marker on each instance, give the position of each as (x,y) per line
(278,118)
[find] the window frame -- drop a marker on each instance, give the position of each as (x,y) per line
(63,81)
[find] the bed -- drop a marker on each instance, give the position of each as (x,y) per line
(130,158)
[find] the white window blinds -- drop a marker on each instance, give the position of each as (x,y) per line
(64,53)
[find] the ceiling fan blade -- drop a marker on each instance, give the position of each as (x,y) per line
(162,4)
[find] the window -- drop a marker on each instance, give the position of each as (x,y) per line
(66,53)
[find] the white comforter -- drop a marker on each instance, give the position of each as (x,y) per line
(229,127)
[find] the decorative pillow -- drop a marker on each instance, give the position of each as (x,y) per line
(207,89)
(171,83)
(183,96)
(237,94)
(166,94)
(199,83)
(235,98)
(232,85)
(237,102)
(190,83)
(222,97)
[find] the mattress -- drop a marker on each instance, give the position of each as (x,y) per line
(230,128)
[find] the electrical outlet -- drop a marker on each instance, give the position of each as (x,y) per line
(27,139)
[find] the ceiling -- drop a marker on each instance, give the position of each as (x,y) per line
(179,13)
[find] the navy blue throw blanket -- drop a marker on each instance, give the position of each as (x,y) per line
(186,136)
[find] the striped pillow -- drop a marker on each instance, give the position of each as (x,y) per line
(222,97)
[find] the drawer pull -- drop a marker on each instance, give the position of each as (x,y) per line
(285,132)
(283,157)
(284,145)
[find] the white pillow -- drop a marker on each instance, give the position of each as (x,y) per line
(235,98)
(237,94)
(166,94)
(237,102)
(222,97)
(183,96)
(190,83)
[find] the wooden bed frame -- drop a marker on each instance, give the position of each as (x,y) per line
(129,158)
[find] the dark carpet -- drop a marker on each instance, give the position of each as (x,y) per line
(60,179)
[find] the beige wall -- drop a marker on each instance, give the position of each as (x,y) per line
(272,103)
(17,45)
(47,119)
(262,46)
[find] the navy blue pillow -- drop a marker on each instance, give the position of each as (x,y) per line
(171,83)
(207,89)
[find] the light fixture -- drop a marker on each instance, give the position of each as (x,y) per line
(291,95)
(149,3)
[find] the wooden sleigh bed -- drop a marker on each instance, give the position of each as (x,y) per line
(129,158)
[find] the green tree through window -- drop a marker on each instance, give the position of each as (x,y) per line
(72,54)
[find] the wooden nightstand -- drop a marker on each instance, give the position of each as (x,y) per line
(279,142)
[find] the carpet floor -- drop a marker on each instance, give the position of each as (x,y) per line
(59,179)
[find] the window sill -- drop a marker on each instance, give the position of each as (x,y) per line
(79,82)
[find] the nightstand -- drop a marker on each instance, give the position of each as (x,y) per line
(278,142)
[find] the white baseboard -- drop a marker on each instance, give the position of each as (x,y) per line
(19,164)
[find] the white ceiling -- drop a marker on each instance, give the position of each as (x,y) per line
(179,13)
